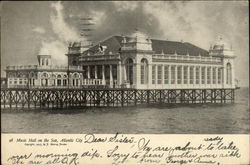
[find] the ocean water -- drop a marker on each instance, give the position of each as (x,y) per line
(143,119)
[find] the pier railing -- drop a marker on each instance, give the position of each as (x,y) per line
(67,98)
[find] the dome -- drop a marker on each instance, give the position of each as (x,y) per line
(221,45)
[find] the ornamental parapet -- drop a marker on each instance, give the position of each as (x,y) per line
(186,58)
(37,67)
(100,57)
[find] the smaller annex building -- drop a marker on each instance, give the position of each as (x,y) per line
(139,62)
(44,75)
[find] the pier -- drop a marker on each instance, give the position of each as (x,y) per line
(72,98)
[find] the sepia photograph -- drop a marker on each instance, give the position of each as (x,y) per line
(137,67)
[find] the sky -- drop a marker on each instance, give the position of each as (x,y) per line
(46,27)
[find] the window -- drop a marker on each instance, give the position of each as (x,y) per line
(44,82)
(197,75)
(64,82)
(45,75)
(59,82)
(166,75)
(173,74)
(219,75)
(75,79)
(77,82)
(52,82)
(32,75)
(114,72)
(99,72)
(209,75)
(144,71)
(203,75)
(185,75)
(179,74)
(214,75)
(191,74)
(129,70)
(74,63)
(85,71)
(153,74)
(229,74)
(159,74)
(45,79)
(92,71)
(107,72)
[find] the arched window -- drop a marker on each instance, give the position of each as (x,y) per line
(32,75)
(45,79)
(59,80)
(76,79)
(53,76)
(129,70)
(229,74)
(65,77)
(144,71)
(53,80)
(45,75)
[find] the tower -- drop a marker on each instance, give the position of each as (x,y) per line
(225,52)
(136,57)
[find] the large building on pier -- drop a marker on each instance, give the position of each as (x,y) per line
(134,61)
(143,63)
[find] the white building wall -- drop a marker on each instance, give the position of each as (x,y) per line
(182,85)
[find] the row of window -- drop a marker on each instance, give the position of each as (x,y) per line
(44,82)
(59,82)
(53,76)
(20,82)
(188,75)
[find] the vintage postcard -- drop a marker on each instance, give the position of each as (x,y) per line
(125,82)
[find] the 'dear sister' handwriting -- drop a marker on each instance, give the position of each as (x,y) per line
(128,149)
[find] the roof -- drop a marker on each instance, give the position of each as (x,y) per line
(167,47)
